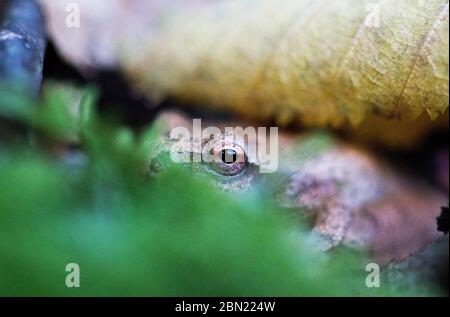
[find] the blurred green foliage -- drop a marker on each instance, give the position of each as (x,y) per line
(131,234)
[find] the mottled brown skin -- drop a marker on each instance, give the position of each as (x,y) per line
(355,199)
(397,225)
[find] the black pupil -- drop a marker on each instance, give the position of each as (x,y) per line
(228,156)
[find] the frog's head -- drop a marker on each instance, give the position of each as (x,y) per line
(295,169)
(230,155)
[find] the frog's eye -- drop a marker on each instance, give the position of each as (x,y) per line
(228,158)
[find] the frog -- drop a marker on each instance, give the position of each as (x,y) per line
(352,198)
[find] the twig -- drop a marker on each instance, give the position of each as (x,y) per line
(22,45)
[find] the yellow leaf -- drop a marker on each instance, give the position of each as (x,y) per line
(314,62)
